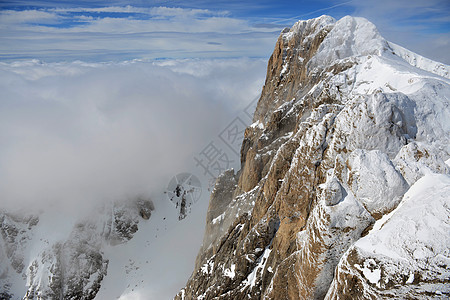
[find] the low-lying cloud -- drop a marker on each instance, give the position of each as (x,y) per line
(78,133)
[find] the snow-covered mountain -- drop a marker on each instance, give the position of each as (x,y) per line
(343,192)
(344,186)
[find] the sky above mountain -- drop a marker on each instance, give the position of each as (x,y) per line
(124,30)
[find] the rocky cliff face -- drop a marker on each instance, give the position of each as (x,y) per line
(343,191)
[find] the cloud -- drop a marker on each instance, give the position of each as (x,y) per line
(123,33)
(79,133)
(152,11)
(8,17)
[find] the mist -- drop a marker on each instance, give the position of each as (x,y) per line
(76,134)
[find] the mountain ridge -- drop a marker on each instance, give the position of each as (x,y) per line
(347,124)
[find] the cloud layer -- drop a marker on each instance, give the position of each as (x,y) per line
(120,33)
(76,133)
(92,32)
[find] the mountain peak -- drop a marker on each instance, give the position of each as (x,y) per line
(300,26)
(324,44)
(350,36)
(348,130)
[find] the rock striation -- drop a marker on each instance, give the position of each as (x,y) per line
(343,188)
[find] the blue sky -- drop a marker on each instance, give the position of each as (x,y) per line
(124,30)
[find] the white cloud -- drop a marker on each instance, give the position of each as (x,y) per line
(13,17)
(76,133)
(158,32)
(110,9)
(155,11)
(183,12)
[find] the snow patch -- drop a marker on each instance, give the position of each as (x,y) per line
(251,278)
(230,272)
(257,124)
(373,276)
(285,68)
(218,219)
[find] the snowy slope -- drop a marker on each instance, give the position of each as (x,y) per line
(156,261)
(407,251)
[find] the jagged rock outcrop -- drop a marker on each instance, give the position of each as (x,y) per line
(348,133)
(70,267)
(183,190)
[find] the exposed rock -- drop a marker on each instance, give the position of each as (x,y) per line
(70,270)
(124,220)
(183,190)
(145,208)
(344,127)
(15,231)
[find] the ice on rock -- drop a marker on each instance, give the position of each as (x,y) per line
(419,226)
(299,27)
(374,181)
(412,239)
(414,160)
